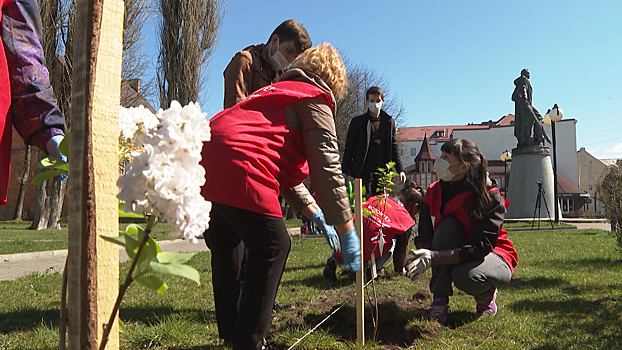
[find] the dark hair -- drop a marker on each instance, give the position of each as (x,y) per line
(294,31)
(411,194)
(374,90)
(466,151)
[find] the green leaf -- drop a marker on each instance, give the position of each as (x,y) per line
(54,163)
(122,328)
(63,147)
(42,176)
(150,250)
(131,244)
(55,303)
(120,240)
(152,282)
(133,229)
(174,258)
(178,270)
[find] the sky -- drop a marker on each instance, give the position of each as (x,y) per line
(453,62)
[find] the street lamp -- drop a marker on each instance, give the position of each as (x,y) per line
(552,116)
(505,156)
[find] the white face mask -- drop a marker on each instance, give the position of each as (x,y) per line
(374,107)
(441,166)
(278,61)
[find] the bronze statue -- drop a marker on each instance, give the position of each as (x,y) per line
(526,115)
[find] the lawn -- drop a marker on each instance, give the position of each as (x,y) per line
(15,237)
(566,294)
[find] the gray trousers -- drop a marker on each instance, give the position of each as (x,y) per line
(473,277)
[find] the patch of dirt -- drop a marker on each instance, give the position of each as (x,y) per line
(395,327)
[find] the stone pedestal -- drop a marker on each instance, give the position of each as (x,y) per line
(530,165)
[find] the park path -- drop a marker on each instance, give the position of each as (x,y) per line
(13,266)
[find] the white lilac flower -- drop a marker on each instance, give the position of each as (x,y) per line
(134,123)
(166,179)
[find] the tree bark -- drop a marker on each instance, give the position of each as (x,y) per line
(23,183)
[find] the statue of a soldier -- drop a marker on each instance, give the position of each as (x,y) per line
(527,116)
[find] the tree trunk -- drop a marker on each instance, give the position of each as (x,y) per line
(48,203)
(23,182)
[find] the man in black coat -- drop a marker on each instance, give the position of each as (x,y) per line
(371,143)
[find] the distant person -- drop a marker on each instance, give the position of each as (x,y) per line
(27,100)
(371,143)
(265,145)
(259,65)
(396,217)
(461,233)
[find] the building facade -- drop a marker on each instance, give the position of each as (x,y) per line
(591,171)
(493,138)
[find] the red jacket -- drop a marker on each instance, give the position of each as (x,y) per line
(458,208)
(5,120)
(253,154)
(395,220)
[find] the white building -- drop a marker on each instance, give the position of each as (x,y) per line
(493,139)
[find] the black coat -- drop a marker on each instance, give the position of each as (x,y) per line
(357,144)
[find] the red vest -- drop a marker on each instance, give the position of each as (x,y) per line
(458,208)
(253,153)
(395,219)
(5,120)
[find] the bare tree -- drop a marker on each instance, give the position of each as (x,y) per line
(57,17)
(188,34)
(23,183)
(134,66)
(352,104)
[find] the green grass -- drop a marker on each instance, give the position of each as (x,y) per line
(566,294)
(528,225)
(15,237)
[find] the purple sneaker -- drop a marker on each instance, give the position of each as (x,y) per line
(486,303)
(438,310)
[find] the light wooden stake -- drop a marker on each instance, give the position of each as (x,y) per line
(360,279)
(93,264)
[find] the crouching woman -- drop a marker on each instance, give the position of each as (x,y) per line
(461,233)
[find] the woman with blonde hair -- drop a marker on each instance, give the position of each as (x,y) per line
(264,146)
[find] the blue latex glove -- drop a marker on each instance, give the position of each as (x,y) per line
(351,250)
(52,148)
(326,229)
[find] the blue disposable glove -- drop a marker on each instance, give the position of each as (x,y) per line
(351,250)
(52,148)
(326,229)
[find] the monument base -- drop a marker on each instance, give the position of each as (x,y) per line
(530,166)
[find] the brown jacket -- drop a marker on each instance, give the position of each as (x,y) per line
(315,119)
(248,71)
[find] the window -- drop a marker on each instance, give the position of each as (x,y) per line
(439,134)
(423,167)
(590,188)
(413,152)
(429,167)
(589,176)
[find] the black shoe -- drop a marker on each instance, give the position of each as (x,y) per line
(278,306)
(330,270)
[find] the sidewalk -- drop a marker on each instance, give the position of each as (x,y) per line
(13,266)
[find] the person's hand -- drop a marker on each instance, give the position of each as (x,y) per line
(328,230)
(419,264)
(403,176)
(351,250)
(52,148)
